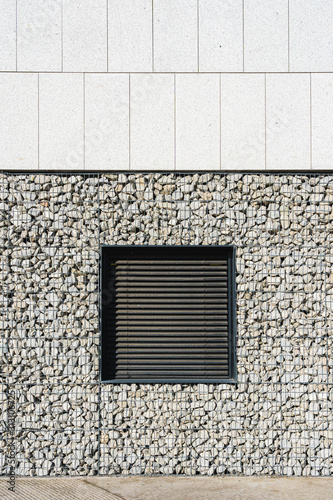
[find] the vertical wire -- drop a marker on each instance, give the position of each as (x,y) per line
(100,417)
(6,335)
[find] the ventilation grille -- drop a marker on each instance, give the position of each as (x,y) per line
(166,317)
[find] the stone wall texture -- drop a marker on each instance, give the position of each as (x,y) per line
(278,418)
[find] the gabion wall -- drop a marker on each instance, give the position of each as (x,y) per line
(277,419)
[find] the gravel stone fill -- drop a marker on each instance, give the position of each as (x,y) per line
(278,418)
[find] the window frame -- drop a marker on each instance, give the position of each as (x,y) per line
(232,313)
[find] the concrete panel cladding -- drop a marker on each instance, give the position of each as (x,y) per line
(171,36)
(195,85)
(153,122)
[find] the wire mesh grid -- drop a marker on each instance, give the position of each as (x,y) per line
(276,420)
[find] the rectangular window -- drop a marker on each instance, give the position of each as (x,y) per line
(168,314)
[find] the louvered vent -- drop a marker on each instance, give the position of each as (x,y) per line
(167,314)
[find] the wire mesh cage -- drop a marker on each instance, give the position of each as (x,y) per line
(277,420)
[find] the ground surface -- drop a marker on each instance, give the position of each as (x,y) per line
(159,488)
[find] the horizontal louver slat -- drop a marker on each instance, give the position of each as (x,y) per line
(145,373)
(165,275)
(142,333)
(167,301)
(167,353)
(161,316)
(167,348)
(170,263)
(181,321)
(166,319)
(170,341)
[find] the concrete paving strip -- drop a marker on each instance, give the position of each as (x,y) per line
(169,488)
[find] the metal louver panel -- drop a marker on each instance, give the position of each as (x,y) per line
(167,314)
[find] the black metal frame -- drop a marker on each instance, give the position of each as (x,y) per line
(232,326)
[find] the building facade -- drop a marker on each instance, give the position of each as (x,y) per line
(166,123)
